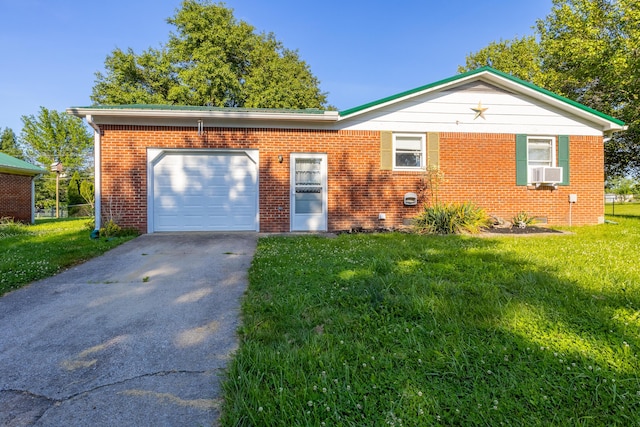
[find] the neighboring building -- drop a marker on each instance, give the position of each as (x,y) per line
(500,142)
(17,193)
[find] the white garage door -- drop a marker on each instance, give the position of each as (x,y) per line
(205,191)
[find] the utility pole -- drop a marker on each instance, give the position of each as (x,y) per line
(57,168)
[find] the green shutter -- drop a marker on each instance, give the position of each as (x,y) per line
(563,158)
(386,150)
(521,160)
(433,150)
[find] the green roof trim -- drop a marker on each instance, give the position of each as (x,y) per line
(468,74)
(11,164)
(556,96)
(407,93)
(170,107)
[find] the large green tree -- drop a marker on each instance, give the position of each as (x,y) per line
(52,136)
(591,53)
(588,51)
(9,144)
(519,57)
(211,59)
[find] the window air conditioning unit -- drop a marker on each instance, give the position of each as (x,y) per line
(546,175)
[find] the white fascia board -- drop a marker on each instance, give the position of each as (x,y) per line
(102,115)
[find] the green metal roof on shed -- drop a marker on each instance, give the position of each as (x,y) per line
(9,164)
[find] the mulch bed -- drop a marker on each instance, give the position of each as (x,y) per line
(519,231)
(505,231)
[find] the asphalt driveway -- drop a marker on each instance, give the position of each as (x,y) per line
(137,337)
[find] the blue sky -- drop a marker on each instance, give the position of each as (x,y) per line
(360,50)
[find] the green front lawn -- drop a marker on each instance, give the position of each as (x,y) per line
(32,252)
(406,330)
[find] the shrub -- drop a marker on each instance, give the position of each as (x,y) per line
(111,229)
(90,224)
(522,220)
(454,218)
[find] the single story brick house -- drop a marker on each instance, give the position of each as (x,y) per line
(500,142)
(17,192)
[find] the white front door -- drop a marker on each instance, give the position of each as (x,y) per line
(309,192)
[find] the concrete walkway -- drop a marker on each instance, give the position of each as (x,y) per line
(136,337)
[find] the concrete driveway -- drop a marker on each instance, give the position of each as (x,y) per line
(136,337)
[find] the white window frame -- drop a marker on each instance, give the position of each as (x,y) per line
(553,161)
(423,151)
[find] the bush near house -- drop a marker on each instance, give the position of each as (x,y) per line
(414,330)
(522,220)
(453,218)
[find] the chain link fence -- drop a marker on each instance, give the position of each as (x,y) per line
(65,211)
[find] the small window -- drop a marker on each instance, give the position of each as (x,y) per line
(540,152)
(408,151)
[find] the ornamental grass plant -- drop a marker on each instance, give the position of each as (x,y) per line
(413,330)
(452,218)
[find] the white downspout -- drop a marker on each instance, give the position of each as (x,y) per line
(97,186)
(33,199)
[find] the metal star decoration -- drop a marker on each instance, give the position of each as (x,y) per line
(480,111)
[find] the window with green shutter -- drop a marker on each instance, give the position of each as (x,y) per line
(563,158)
(540,151)
(522,174)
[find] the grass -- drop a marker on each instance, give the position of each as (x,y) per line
(623,209)
(407,330)
(33,252)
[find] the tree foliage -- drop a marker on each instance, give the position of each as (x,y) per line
(210,59)
(87,192)
(518,57)
(80,196)
(588,51)
(54,136)
(73,190)
(9,144)
(623,187)
(142,79)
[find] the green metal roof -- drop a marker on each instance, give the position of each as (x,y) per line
(12,165)
(468,74)
(307,114)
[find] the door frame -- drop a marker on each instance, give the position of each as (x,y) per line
(322,224)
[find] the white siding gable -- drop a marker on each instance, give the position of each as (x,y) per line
(450,110)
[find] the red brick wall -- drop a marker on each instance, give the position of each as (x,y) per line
(15,197)
(480,168)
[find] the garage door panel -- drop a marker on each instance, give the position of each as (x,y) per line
(214,192)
